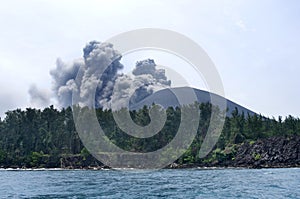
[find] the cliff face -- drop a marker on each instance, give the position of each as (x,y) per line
(269,152)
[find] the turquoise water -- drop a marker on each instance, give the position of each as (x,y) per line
(186,183)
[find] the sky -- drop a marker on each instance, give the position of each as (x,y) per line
(254,44)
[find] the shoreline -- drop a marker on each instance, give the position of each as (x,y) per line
(275,152)
(128,169)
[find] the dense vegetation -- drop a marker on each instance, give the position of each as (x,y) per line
(48,138)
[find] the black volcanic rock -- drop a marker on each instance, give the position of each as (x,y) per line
(269,152)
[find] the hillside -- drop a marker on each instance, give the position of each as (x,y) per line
(167,98)
(35,138)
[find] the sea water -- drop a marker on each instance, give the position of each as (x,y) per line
(167,183)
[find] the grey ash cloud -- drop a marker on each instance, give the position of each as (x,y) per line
(63,77)
(148,67)
(38,97)
(101,66)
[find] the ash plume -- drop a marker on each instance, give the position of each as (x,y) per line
(38,97)
(101,66)
(63,77)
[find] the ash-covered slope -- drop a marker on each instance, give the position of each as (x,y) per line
(166,98)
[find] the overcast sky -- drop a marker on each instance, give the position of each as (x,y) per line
(255,45)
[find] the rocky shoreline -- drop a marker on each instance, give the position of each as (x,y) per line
(274,152)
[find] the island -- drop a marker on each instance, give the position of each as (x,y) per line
(47,138)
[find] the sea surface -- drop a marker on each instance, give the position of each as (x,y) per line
(184,183)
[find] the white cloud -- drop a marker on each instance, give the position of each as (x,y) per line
(241,25)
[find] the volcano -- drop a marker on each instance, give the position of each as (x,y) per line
(167,98)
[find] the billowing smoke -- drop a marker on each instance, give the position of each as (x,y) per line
(38,97)
(145,80)
(100,66)
(64,81)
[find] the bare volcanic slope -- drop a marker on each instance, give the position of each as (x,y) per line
(166,98)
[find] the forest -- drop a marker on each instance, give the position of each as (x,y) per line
(47,138)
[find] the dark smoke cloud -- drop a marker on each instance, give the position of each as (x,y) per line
(102,64)
(113,89)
